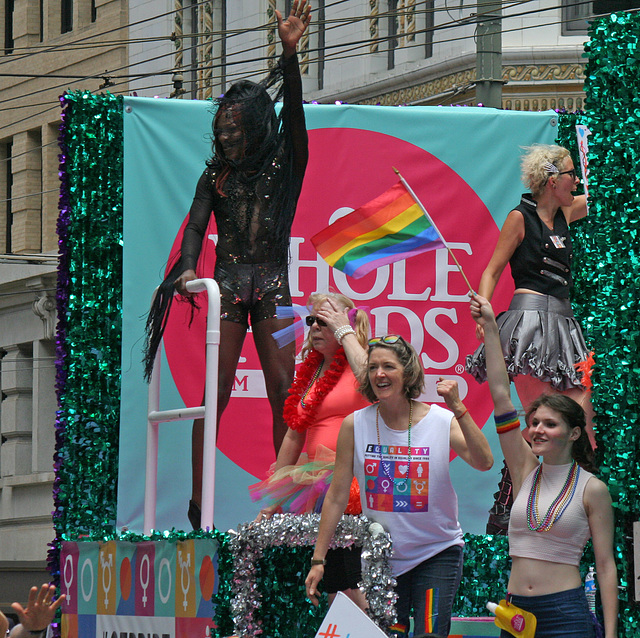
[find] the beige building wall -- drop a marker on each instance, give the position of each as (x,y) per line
(39,65)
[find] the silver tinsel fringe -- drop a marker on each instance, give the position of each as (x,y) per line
(291,530)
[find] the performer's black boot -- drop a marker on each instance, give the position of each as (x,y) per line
(499,514)
(194,515)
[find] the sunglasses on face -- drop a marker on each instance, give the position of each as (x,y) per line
(390,339)
(310,320)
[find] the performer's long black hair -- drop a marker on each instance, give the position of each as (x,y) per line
(266,140)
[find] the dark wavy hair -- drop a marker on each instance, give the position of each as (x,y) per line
(266,141)
(410,362)
(574,416)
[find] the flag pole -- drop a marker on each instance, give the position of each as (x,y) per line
(426,214)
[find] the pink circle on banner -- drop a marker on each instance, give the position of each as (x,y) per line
(424,298)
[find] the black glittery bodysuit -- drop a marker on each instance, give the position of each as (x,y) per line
(251,263)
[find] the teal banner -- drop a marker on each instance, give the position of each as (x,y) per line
(463,164)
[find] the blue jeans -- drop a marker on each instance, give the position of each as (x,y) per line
(564,614)
(442,574)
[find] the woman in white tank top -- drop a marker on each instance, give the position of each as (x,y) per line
(399,450)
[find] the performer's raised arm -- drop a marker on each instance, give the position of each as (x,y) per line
(517,453)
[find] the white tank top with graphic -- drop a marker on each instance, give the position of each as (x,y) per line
(410,495)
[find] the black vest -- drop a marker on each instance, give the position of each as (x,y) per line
(542,262)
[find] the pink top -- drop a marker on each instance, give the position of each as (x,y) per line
(343,399)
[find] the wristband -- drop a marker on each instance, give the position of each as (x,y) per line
(318,561)
(459,417)
(507,422)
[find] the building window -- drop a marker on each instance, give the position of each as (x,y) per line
(8,27)
(409,31)
(576,15)
(6,197)
(392,30)
(322,41)
(428,26)
(94,11)
(66,16)
(611,6)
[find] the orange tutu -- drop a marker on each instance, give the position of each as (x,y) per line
(301,488)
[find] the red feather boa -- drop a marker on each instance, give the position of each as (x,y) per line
(318,392)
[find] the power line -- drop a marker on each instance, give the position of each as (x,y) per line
(335,22)
(341,55)
(64,45)
(108,75)
(348,47)
(338,55)
(347,53)
(11,199)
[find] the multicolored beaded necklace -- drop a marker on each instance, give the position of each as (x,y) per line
(559,505)
(314,378)
(403,479)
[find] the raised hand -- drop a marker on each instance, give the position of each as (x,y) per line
(40,610)
(292,29)
(448,390)
(333,315)
(481,311)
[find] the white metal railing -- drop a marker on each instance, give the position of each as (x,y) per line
(209,411)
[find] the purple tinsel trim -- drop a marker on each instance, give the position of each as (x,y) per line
(62,298)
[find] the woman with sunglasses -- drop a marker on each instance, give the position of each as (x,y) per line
(323,393)
(558,504)
(541,340)
(399,451)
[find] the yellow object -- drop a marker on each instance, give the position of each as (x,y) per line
(518,622)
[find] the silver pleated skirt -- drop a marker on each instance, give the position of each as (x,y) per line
(540,338)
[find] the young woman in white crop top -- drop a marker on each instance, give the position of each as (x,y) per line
(558,504)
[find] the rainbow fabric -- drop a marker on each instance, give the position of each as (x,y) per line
(389,228)
(398,629)
(431,611)
(507,422)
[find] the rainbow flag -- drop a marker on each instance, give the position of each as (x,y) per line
(389,228)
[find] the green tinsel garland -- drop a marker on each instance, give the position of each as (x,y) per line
(286,612)
(610,265)
(89,359)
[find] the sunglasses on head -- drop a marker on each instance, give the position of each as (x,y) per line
(310,320)
(390,339)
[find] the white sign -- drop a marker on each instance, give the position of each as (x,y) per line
(583,149)
(346,620)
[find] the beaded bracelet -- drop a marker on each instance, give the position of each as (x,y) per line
(342,332)
(507,422)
